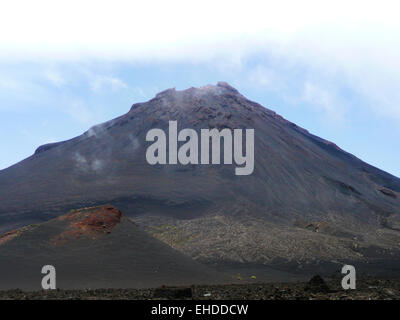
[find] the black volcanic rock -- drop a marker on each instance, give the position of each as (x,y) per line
(95,248)
(316,285)
(307,204)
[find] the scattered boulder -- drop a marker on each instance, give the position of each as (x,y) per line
(316,285)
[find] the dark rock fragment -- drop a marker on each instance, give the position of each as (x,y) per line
(316,285)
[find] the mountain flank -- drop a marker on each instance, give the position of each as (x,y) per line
(307,206)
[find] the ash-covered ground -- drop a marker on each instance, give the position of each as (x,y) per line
(315,289)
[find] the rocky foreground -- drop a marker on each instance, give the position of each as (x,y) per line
(315,289)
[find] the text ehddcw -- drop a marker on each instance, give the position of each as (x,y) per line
(188,153)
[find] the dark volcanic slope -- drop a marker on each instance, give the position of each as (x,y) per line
(95,248)
(307,199)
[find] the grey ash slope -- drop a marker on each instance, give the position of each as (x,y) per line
(307,202)
(95,248)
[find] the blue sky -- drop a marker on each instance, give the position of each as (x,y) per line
(334,70)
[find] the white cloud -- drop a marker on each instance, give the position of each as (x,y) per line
(177,29)
(101,83)
(97,165)
(19,92)
(325,100)
(84,165)
(355,42)
(271,78)
(55,78)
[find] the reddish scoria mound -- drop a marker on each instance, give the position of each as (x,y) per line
(9,236)
(13,234)
(89,222)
